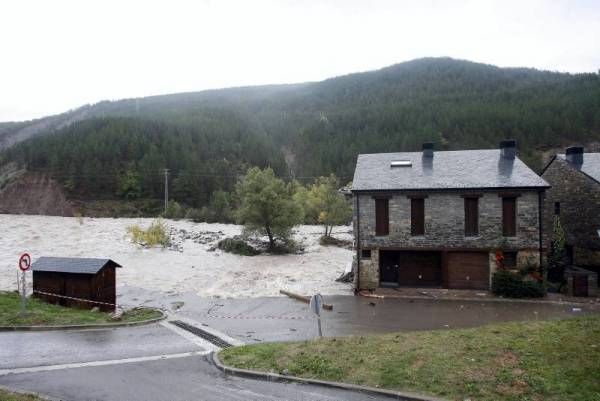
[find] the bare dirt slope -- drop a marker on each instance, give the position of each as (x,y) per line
(34,194)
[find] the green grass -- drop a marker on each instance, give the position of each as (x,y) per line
(8,396)
(42,313)
(555,360)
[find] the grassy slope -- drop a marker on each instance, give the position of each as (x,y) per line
(7,396)
(547,360)
(42,313)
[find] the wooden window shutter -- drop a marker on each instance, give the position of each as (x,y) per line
(471,217)
(417,216)
(509,216)
(382,218)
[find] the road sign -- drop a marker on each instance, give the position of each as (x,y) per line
(315,305)
(25,262)
(24,265)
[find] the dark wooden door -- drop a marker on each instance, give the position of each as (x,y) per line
(79,286)
(388,268)
(468,270)
(580,286)
(419,269)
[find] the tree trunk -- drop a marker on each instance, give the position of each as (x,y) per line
(270,235)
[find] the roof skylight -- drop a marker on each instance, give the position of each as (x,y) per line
(401,163)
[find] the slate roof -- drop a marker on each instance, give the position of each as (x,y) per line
(462,169)
(590,166)
(71,265)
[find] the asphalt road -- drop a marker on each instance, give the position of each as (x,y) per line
(27,349)
(138,363)
(182,379)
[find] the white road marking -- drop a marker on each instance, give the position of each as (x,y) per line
(4,372)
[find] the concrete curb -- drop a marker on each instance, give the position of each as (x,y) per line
(23,392)
(84,326)
(274,377)
(482,299)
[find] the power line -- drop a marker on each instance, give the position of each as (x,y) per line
(179,175)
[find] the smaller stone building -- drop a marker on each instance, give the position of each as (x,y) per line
(438,219)
(575,199)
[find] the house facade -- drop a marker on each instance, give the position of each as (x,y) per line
(575,199)
(438,219)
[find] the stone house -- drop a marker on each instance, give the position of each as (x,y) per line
(575,198)
(438,218)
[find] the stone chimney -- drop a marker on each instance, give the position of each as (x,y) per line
(428,149)
(574,155)
(508,149)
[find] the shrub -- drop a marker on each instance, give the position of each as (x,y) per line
(196,215)
(155,235)
(513,285)
(285,247)
(328,240)
(174,211)
(237,246)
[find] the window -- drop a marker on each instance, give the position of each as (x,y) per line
(365,254)
(471,217)
(382,218)
(557,208)
(510,259)
(417,216)
(509,216)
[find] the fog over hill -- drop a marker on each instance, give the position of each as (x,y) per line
(306,129)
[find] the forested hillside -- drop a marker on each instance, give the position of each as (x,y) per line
(125,157)
(117,149)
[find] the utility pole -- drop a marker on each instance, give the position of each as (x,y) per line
(166,171)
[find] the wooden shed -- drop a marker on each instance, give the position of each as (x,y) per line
(83,278)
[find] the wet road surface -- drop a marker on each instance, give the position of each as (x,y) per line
(284,319)
(181,377)
(25,349)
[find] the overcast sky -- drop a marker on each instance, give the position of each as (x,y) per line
(56,55)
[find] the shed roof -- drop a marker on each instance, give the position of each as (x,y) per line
(590,165)
(71,265)
(462,169)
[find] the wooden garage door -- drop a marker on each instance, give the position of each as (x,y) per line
(468,270)
(419,269)
(580,285)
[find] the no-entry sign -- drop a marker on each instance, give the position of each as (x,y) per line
(25,262)
(24,265)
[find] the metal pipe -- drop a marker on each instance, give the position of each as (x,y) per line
(540,218)
(358,249)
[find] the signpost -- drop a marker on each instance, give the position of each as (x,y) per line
(315,305)
(24,265)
